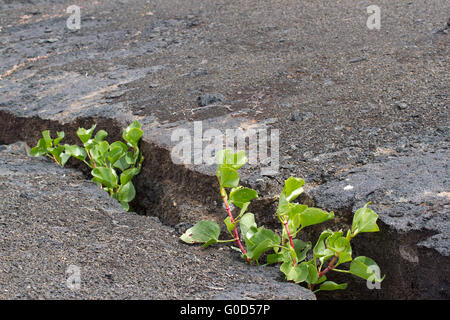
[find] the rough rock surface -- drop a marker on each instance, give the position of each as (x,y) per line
(343,97)
(411,196)
(53,218)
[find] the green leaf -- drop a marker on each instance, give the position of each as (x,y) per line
(100,135)
(364,220)
(99,152)
(320,248)
(284,207)
(120,145)
(313,216)
(229,178)
(243,209)
(229,224)
(202,232)
(48,140)
(64,158)
(330,286)
(40,149)
(313,274)
(336,242)
(240,196)
(107,176)
(132,136)
(126,192)
(60,135)
(84,134)
(298,274)
(128,175)
(130,158)
(301,249)
(226,158)
(121,164)
(75,151)
(294,215)
(365,268)
(260,242)
(293,188)
(246,223)
(114,155)
(125,205)
(56,152)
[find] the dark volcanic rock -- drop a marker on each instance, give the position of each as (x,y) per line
(53,220)
(411,195)
(210,98)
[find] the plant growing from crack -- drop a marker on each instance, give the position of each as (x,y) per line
(105,160)
(296,260)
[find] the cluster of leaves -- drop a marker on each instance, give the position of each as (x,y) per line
(104,159)
(299,261)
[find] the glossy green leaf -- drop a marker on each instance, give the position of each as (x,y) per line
(298,274)
(120,145)
(40,149)
(293,188)
(246,223)
(132,136)
(320,248)
(57,140)
(128,175)
(240,196)
(364,220)
(100,135)
(64,158)
(202,232)
(313,216)
(114,155)
(260,242)
(126,192)
(84,134)
(48,140)
(226,158)
(107,176)
(125,205)
(76,151)
(230,226)
(331,286)
(365,268)
(229,178)
(313,274)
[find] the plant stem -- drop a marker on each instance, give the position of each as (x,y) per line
(330,266)
(290,239)
(321,273)
(54,158)
(236,235)
(90,158)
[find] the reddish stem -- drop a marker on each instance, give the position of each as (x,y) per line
(236,235)
(54,158)
(330,266)
(290,239)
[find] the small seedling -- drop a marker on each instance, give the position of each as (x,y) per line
(104,159)
(296,260)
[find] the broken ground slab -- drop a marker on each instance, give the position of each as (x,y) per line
(411,196)
(54,221)
(340,94)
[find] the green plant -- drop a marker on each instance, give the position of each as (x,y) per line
(296,260)
(113,166)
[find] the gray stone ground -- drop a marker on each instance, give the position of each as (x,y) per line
(350,103)
(52,219)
